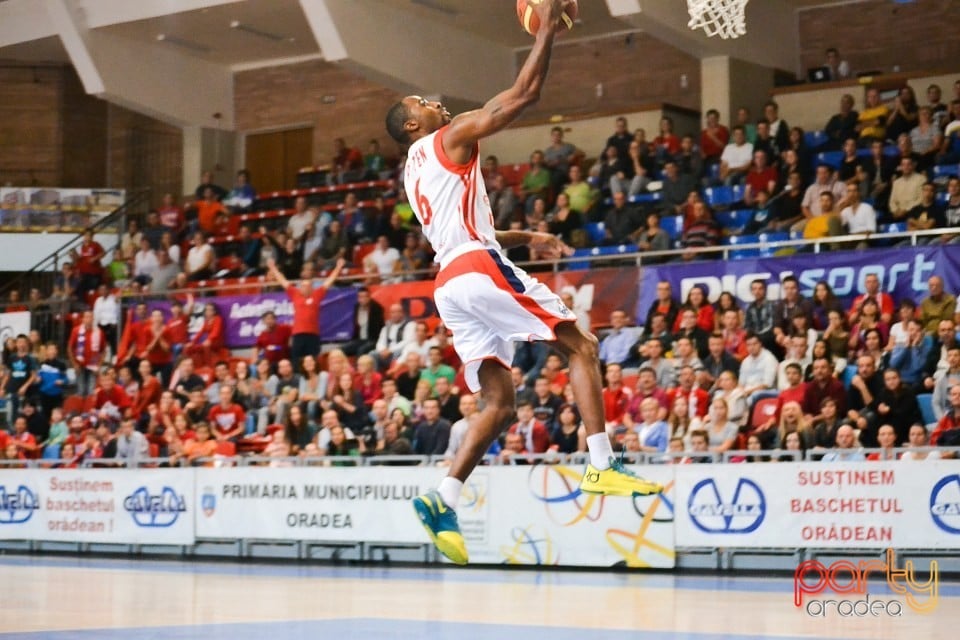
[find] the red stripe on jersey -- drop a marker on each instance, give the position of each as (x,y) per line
(480,262)
(445,161)
(466,206)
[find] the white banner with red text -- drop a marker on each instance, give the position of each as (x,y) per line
(863,505)
(122,506)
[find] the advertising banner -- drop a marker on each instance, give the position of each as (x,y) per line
(312,503)
(514,515)
(820,505)
(903,273)
(241,314)
(123,506)
(537,515)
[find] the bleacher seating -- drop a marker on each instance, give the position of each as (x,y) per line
(830,158)
(815,139)
(735,220)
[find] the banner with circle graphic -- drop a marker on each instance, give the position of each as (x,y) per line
(13,324)
(864,505)
(537,515)
(145,506)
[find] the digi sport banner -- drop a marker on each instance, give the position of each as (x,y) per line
(903,273)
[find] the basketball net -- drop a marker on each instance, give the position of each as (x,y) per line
(724,18)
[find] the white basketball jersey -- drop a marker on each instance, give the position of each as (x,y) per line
(449,200)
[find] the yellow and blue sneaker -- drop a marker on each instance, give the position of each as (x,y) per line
(617,481)
(441,524)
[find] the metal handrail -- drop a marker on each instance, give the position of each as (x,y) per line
(747,454)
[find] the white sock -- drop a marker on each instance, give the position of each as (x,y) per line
(600,450)
(449,490)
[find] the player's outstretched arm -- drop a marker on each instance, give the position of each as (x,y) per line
(466,129)
(547,245)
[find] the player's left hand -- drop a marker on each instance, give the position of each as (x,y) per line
(549,246)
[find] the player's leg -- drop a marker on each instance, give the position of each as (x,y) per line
(605,474)
(498,397)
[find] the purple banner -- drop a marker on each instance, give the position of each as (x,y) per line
(903,273)
(241,314)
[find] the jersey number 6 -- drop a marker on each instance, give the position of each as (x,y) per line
(423,205)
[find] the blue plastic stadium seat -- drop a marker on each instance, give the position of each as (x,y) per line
(646,198)
(713,171)
(743,253)
(832,158)
(596,231)
(943,197)
(735,220)
(925,400)
(815,139)
(718,196)
(945,171)
(891,150)
(796,235)
(777,236)
(673,225)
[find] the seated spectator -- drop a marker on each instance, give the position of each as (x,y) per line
(131,444)
(918,440)
(937,306)
(676,190)
(868,320)
(503,202)
(716,361)
(200,259)
(616,397)
(713,139)
(907,190)
(241,197)
(845,449)
(858,217)
(621,221)
(703,232)
(652,237)
(696,398)
(736,158)
(883,301)
(208,342)
(534,433)
(842,125)
(760,177)
(227,418)
(665,305)
(638,166)
(666,144)
(825,225)
(536,181)
(615,346)
(945,379)
(582,196)
(567,223)
(171,216)
(652,431)
(896,405)
(872,121)
(374,164)
(302,216)
(911,360)
(382,261)
(812,204)
(758,370)
(347,163)
(720,429)
(729,388)
(432,434)
(613,172)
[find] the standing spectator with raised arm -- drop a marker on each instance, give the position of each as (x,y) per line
(306,310)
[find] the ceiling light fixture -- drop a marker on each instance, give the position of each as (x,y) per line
(239,26)
(180,42)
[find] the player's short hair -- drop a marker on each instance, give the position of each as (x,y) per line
(397,117)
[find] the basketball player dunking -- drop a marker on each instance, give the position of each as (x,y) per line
(484,299)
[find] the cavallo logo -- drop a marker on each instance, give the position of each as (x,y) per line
(732,507)
(17,505)
(160,510)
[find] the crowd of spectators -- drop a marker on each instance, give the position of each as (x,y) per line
(691,376)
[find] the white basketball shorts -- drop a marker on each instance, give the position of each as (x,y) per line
(488,304)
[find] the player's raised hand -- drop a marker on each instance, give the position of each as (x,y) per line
(549,246)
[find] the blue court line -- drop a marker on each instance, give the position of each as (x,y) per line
(375,628)
(595,578)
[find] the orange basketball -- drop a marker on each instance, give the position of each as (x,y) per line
(530,21)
